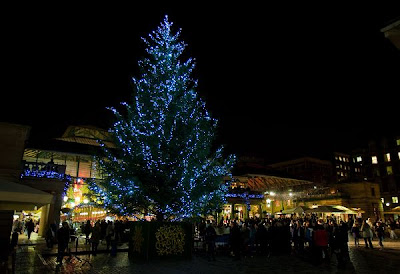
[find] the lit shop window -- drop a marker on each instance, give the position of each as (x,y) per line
(359,158)
(387,157)
(395,200)
(374,159)
(389,170)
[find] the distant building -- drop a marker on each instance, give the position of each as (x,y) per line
(74,152)
(308,168)
(380,163)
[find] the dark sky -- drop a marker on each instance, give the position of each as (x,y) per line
(283,81)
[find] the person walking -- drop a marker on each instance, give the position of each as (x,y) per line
(380,232)
(366,234)
(30,226)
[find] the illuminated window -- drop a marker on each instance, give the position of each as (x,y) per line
(340,158)
(389,170)
(387,157)
(398,142)
(374,159)
(359,158)
(395,200)
(398,154)
(383,200)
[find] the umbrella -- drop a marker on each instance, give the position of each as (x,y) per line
(395,210)
(299,209)
(325,209)
(345,210)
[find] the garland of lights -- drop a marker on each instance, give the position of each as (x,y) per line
(164,163)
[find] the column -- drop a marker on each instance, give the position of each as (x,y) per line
(44,222)
(6,221)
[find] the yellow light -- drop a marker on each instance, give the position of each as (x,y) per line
(85,201)
(65,198)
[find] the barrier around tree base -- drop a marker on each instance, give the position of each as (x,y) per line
(159,240)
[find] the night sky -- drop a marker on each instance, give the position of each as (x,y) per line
(283,82)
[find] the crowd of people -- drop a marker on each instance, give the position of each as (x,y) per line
(112,232)
(25,226)
(308,236)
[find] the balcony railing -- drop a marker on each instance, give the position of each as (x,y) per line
(44,170)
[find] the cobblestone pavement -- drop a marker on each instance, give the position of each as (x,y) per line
(30,259)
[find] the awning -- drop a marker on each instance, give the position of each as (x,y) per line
(15,196)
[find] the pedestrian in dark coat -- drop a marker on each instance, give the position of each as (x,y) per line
(87,230)
(235,240)
(63,236)
(210,237)
(95,238)
(30,226)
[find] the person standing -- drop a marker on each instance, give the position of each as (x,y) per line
(51,235)
(355,230)
(63,235)
(392,226)
(87,230)
(235,240)
(95,238)
(210,237)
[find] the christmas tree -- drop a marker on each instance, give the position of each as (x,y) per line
(166,163)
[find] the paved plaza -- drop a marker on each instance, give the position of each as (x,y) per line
(34,257)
